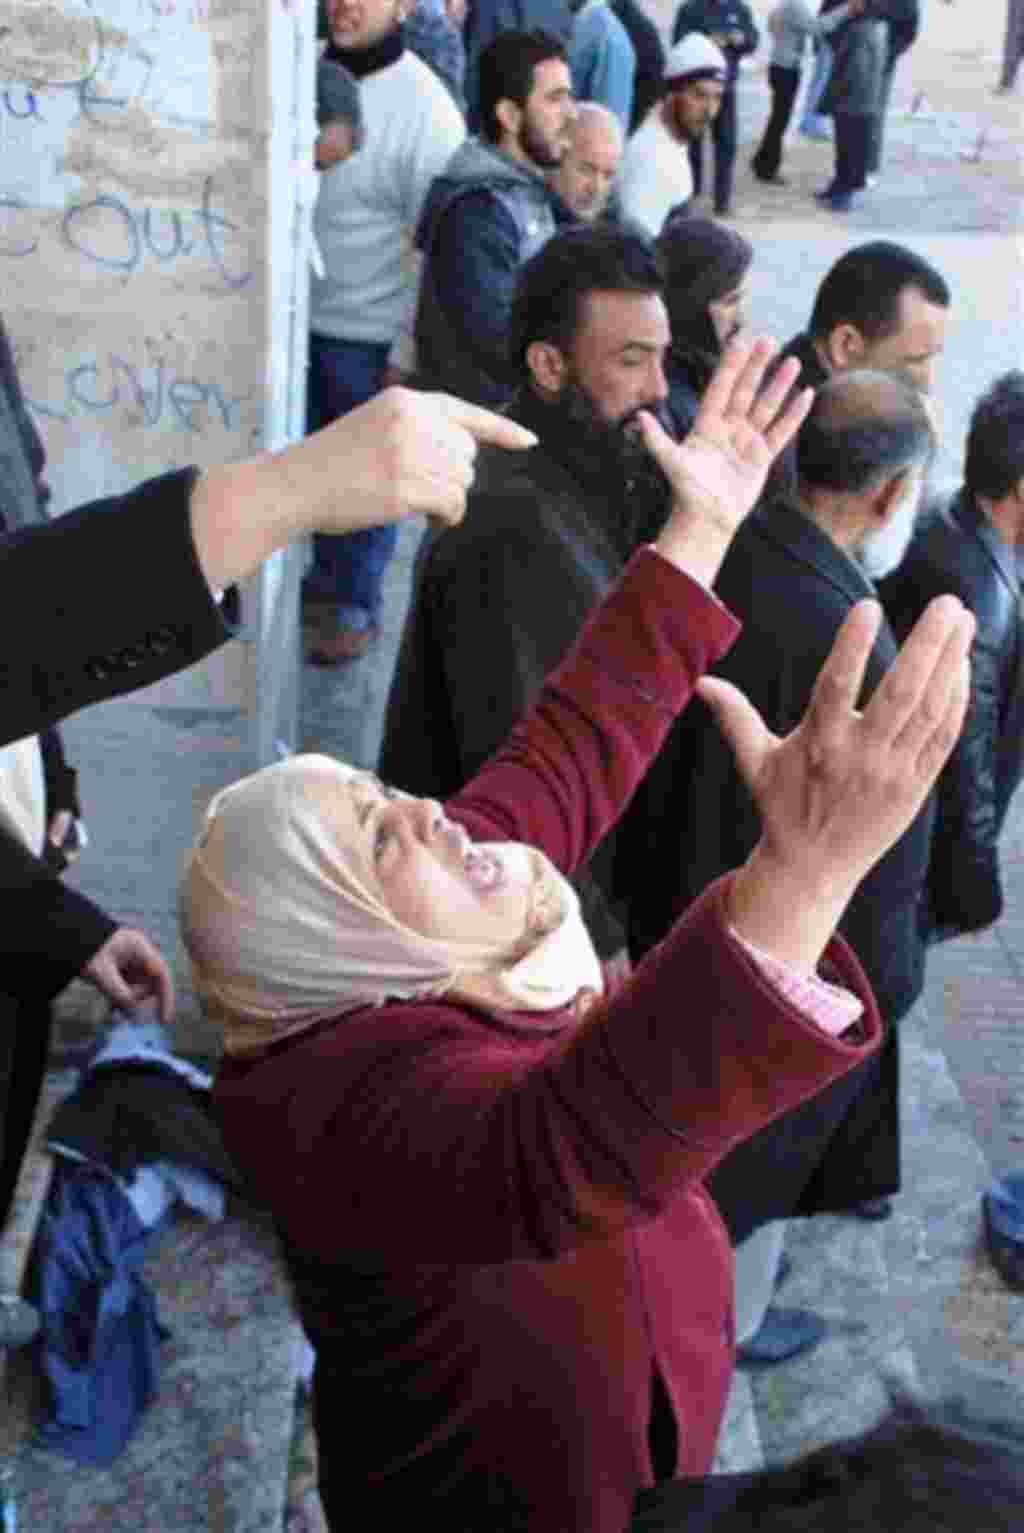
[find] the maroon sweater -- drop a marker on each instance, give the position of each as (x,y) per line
(497,1218)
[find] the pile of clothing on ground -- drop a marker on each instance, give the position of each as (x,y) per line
(133,1141)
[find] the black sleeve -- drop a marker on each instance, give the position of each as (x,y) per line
(964,886)
(101,601)
(60,778)
(48,929)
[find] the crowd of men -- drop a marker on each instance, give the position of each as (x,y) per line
(455,176)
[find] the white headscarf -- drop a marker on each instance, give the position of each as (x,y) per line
(285,925)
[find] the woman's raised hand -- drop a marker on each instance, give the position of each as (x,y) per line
(718,471)
(842,787)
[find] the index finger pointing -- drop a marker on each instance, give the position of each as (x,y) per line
(484,425)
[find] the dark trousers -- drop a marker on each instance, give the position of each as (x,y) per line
(723,134)
(784,84)
(853,144)
(349,570)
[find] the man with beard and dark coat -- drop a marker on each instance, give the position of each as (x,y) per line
(705,265)
(497,601)
(488,212)
(795,569)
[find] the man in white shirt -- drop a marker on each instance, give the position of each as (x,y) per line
(656,178)
(361,310)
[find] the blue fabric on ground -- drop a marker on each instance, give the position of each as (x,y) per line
(100,1330)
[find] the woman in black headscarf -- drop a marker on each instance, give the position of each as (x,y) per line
(705,265)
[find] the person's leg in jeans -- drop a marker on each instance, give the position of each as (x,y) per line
(878,120)
(723,134)
(812,124)
(348,571)
(784,84)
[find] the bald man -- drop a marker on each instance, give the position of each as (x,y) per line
(795,569)
(587,172)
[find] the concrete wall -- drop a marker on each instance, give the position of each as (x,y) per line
(138,252)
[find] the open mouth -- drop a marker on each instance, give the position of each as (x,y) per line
(483,869)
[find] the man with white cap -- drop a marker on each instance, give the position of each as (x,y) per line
(656,178)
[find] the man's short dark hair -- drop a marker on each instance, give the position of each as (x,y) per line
(863,426)
(506,72)
(552,287)
(923,1469)
(994,464)
(863,289)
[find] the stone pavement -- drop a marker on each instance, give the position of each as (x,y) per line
(912,1300)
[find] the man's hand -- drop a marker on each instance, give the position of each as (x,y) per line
(402,454)
(841,788)
(717,472)
(128,969)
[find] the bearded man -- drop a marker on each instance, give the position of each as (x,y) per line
(498,601)
(488,213)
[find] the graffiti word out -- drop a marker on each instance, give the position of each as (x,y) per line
(109,233)
(156,395)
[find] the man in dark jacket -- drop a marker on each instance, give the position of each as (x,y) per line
(796,568)
(880,305)
(971,547)
(730,24)
(497,601)
(488,213)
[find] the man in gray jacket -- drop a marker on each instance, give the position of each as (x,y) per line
(488,213)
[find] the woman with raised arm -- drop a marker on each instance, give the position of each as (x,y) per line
(485,1165)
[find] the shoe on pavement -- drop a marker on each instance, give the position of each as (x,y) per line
(783,1335)
(1003,1212)
(19,1322)
(874,1210)
(344,645)
(775,180)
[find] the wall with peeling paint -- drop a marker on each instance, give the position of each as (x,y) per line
(138,249)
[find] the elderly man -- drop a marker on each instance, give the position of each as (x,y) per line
(497,603)
(585,178)
(793,573)
(971,547)
(656,178)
